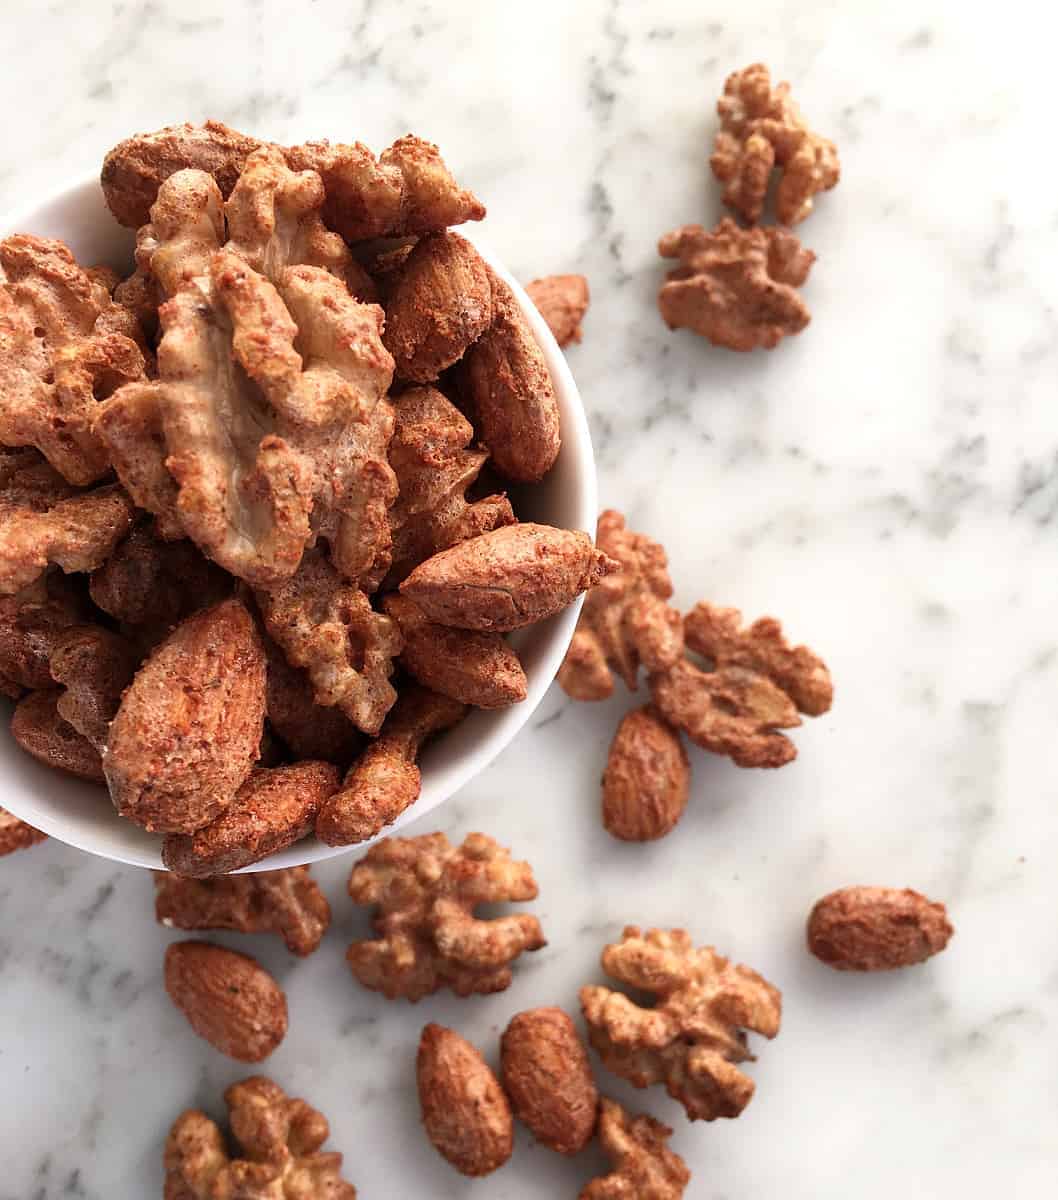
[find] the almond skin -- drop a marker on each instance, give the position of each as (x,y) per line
(188,731)
(877,929)
(464,1110)
(645,784)
(545,1071)
(228,998)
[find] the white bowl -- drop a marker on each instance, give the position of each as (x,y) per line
(82,815)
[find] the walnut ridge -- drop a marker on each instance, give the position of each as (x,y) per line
(562,301)
(644,1167)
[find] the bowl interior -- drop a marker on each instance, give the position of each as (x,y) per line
(82,815)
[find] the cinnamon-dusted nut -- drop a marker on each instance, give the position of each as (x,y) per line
(692,1037)
(877,929)
(41,732)
(385,780)
(545,1071)
(647,776)
(762,128)
(735,287)
(479,669)
(438,305)
(279,1137)
(228,998)
(94,666)
(625,621)
(508,578)
(307,729)
(16,834)
(562,301)
(425,891)
(273,809)
(287,902)
(32,621)
(509,392)
(189,727)
(644,1167)
(464,1110)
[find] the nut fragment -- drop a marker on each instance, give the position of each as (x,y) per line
(327,626)
(307,729)
(280,1139)
(438,305)
(693,1036)
(546,1074)
(644,1167)
(509,392)
(624,620)
(562,300)
(43,520)
(434,468)
(753,688)
(62,350)
(736,287)
(287,902)
(94,666)
(647,776)
(228,998)
(466,1115)
(425,891)
(762,128)
(406,190)
(41,732)
(16,834)
(189,727)
(273,809)
(385,780)
(508,578)
(32,622)
(478,669)
(877,929)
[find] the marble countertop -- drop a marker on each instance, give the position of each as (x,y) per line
(886,484)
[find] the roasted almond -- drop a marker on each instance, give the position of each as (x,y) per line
(545,1071)
(644,787)
(877,929)
(41,731)
(464,1110)
(228,998)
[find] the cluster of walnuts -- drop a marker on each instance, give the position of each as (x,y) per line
(735,285)
(248,566)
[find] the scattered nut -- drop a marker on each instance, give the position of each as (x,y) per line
(280,1138)
(437,306)
(466,1115)
(41,732)
(16,834)
(562,300)
(508,578)
(877,929)
(94,667)
(509,392)
(425,891)
(644,1167)
(761,128)
(189,727)
(478,669)
(287,902)
(647,777)
(546,1074)
(753,688)
(692,1038)
(273,809)
(625,620)
(735,287)
(228,998)
(385,780)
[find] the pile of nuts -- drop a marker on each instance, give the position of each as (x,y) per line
(238,490)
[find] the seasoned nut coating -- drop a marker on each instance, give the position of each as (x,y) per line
(508,578)
(273,809)
(307,729)
(877,929)
(188,730)
(16,834)
(32,622)
(464,1110)
(94,666)
(644,1167)
(562,301)
(37,727)
(647,777)
(545,1071)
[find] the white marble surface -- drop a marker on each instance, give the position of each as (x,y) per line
(886,484)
